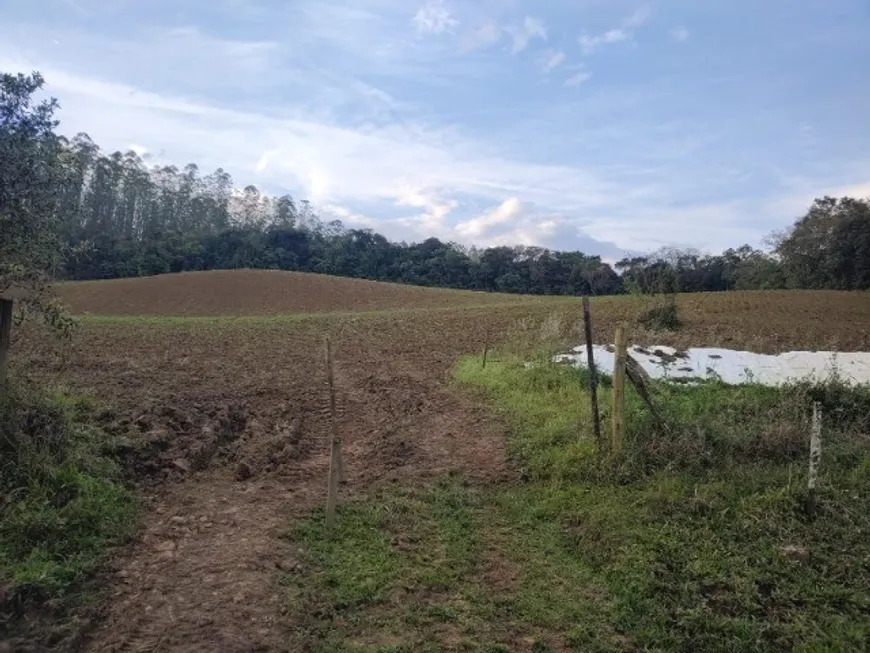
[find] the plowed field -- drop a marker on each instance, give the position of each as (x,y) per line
(255,292)
(232,428)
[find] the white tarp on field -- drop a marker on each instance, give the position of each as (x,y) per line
(735,367)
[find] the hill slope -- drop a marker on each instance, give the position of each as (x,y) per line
(255,292)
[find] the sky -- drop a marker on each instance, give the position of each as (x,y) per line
(606,126)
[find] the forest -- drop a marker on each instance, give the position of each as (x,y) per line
(118,216)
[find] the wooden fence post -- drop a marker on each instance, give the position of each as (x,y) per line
(485,348)
(332,493)
(620,343)
(5,335)
(333,417)
(336,463)
(593,373)
(815,459)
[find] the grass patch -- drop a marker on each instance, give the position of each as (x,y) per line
(695,540)
(63,502)
(433,568)
(392,573)
(547,403)
(698,537)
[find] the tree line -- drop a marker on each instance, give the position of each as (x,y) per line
(118,216)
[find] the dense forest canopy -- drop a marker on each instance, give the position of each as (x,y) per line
(121,217)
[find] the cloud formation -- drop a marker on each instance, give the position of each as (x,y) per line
(433,18)
(578,78)
(552,59)
(531,28)
(439,119)
(625,32)
(481,37)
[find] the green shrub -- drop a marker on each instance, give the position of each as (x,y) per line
(663,315)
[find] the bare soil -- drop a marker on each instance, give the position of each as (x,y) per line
(254,292)
(227,423)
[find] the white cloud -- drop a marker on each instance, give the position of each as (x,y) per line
(482,37)
(435,209)
(138,149)
(350,218)
(532,28)
(481,227)
(264,160)
(578,78)
(625,32)
(289,102)
(416,166)
(434,18)
(358,173)
(591,43)
(515,222)
(679,34)
(552,59)
(638,18)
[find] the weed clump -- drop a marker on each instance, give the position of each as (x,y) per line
(663,315)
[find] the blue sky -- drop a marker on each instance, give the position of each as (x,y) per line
(606,126)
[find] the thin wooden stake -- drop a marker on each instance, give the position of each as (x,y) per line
(336,464)
(815,459)
(333,418)
(5,335)
(620,343)
(485,348)
(593,373)
(332,494)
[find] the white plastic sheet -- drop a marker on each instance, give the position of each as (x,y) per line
(735,367)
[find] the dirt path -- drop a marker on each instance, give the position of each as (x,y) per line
(203,573)
(202,576)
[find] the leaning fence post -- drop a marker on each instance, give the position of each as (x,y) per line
(815,459)
(593,373)
(619,389)
(335,458)
(5,335)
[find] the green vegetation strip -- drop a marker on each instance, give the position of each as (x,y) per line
(694,541)
(63,501)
